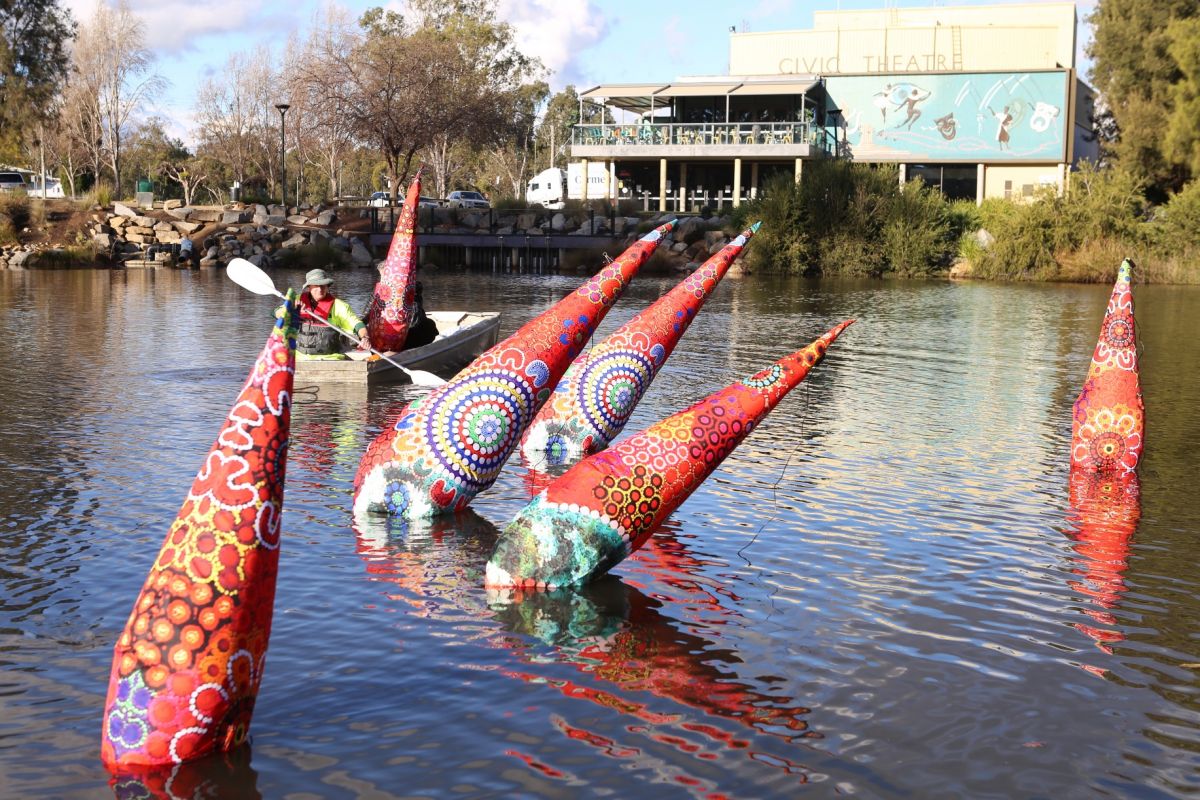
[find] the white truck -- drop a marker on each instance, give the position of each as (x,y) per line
(553,187)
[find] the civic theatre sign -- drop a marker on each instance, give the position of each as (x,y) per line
(893,62)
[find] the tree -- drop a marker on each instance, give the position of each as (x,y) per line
(33,65)
(511,158)
(1134,70)
(1182,143)
(562,114)
(323,133)
(237,119)
(114,64)
(452,72)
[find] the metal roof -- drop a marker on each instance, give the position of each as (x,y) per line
(775,87)
(641,97)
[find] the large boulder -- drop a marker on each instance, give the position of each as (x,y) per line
(359,255)
(122,210)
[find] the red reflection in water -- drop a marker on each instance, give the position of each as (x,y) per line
(610,631)
(1104,514)
(614,633)
(226,774)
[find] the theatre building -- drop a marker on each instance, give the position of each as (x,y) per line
(980,101)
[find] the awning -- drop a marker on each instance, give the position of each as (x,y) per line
(629,96)
(774,87)
(698,89)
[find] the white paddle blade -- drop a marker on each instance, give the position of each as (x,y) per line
(422,378)
(248,276)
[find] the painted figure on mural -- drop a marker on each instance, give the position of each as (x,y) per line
(1005,121)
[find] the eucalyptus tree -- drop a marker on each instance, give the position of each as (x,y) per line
(323,135)
(451,71)
(34,35)
(237,124)
(116,68)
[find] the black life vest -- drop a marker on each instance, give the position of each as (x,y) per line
(315,338)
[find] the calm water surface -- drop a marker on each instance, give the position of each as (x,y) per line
(884,592)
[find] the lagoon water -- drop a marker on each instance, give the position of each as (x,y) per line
(884,592)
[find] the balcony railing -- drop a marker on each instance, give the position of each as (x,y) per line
(707,133)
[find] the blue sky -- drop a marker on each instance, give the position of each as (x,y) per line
(582,42)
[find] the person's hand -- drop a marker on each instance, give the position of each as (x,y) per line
(364,343)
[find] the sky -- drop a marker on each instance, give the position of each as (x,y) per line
(581,42)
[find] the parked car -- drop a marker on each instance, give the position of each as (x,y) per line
(10,181)
(428,202)
(380,199)
(467,200)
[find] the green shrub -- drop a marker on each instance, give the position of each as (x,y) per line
(510,204)
(16,207)
(70,257)
(311,256)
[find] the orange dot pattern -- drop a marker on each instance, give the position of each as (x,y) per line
(187,667)
(1108,423)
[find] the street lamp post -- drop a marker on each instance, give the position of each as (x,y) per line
(283,107)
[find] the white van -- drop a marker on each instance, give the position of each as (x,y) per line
(552,187)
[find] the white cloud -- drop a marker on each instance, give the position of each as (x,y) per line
(555,31)
(674,39)
(173,26)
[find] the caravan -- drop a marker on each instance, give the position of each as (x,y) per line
(553,187)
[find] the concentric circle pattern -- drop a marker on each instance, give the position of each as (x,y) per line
(610,387)
(475,425)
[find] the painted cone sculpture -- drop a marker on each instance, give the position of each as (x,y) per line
(606,506)
(393,304)
(450,445)
(593,401)
(187,667)
(1109,419)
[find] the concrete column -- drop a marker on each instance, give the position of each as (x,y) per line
(737,182)
(583,168)
(799,169)
(754,180)
(903,174)
(611,190)
(682,187)
(980,174)
(1064,179)
(662,184)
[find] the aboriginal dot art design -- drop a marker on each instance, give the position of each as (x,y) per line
(606,506)
(187,667)
(392,306)
(450,445)
(1109,419)
(593,401)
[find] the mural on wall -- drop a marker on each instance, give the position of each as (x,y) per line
(953,117)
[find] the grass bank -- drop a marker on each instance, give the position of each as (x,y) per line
(855,220)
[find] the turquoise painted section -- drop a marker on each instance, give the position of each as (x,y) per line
(966,117)
(556,545)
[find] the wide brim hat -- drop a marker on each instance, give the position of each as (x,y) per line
(317,277)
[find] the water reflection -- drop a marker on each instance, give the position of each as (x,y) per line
(226,775)
(327,433)
(1105,510)
(440,557)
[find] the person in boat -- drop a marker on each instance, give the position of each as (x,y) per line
(315,339)
(423,330)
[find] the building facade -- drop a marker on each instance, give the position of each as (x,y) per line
(981,101)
